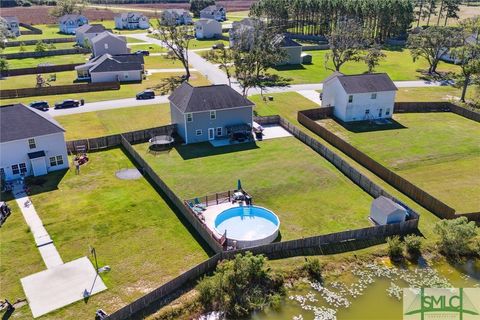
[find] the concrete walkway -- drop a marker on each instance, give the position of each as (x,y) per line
(44,243)
(311,95)
(150,71)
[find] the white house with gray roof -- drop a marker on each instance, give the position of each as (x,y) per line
(69,23)
(208,29)
(85,33)
(210,112)
(107,42)
(110,68)
(131,21)
(215,12)
(31,143)
(176,17)
(13,25)
(359,97)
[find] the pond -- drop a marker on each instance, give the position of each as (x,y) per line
(370,291)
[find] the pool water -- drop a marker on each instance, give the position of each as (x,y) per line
(246,223)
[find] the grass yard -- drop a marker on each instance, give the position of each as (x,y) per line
(131,227)
(30,80)
(106,122)
(56,46)
(398,64)
(50,31)
(54,60)
(307,192)
(439,152)
(126,90)
(133,40)
(161,62)
(208,43)
(110,24)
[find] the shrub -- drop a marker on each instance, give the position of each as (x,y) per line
(22,47)
(413,243)
(313,268)
(395,248)
(40,46)
(240,286)
(456,236)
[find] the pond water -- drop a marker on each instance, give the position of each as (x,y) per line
(372,291)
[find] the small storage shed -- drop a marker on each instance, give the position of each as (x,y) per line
(386,211)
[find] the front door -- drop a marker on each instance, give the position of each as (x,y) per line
(211,133)
(39,166)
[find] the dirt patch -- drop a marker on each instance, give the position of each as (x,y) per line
(40,14)
(128,174)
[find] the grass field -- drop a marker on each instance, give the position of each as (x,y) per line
(307,193)
(56,46)
(152,48)
(208,43)
(50,31)
(131,227)
(102,123)
(55,60)
(439,152)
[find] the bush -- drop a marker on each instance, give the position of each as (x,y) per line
(40,46)
(313,268)
(395,248)
(456,236)
(240,286)
(413,244)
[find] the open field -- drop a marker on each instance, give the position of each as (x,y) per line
(152,48)
(127,90)
(40,15)
(307,192)
(55,60)
(131,227)
(439,152)
(106,122)
(53,46)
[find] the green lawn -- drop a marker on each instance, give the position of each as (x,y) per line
(133,40)
(161,62)
(131,227)
(56,46)
(398,65)
(208,43)
(50,31)
(54,60)
(439,152)
(106,122)
(152,48)
(30,80)
(110,24)
(309,194)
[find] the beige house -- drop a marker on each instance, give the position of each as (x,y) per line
(208,29)
(107,42)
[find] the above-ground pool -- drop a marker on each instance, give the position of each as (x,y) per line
(249,226)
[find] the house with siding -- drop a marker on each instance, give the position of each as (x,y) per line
(32,143)
(85,34)
(293,51)
(131,21)
(208,29)
(359,97)
(209,113)
(107,42)
(215,12)
(69,23)
(13,25)
(176,17)
(111,68)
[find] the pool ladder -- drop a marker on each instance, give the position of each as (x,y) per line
(247,210)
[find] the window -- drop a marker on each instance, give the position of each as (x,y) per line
(59,160)
(31,143)
(198,132)
(380,113)
(374,96)
(387,112)
(2,173)
(53,161)
(219,131)
(367,111)
(350,99)
(23,168)
(19,168)
(125,75)
(213,115)
(189,117)
(106,45)
(15,169)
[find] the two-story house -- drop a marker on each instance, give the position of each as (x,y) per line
(131,21)
(107,42)
(85,34)
(210,112)
(176,17)
(208,29)
(359,97)
(13,25)
(215,12)
(69,23)
(31,143)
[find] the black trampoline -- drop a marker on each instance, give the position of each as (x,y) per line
(159,143)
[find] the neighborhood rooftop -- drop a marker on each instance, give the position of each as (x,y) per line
(91,28)
(123,62)
(364,83)
(19,122)
(387,205)
(215,97)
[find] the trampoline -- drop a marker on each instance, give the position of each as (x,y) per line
(159,143)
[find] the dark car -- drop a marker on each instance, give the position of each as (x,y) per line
(144,52)
(69,103)
(40,105)
(147,94)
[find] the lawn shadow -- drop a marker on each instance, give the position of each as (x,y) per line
(50,182)
(205,149)
(289,67)
(370,126)
(468,266)
(393,48)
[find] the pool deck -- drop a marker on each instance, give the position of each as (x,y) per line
(213,211)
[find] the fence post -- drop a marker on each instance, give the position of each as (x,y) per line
(216,197)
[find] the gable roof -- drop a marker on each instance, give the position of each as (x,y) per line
(124,62)
(205,98)
(21,122)
(131,14)
(364,83)
(10,19)
(387,206)
(105,35)
(205,21)
(91,28)
(213,7)
(289,42)
(71,17)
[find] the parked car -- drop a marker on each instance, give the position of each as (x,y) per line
(40,105)
(146,94)
(144,52)
(69,103)
(218,45)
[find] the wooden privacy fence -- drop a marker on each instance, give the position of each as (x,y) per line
(62,89)
(41,69)
(115,140)
(31,29)
(409,107)
(32,42)
(48,53)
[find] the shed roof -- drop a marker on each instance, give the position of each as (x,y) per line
(387,206)
(364,83)
(21,122)
(205,98)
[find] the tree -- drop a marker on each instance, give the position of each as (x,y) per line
(468,54)
(372,58)
(197,5)
(413,244)
(3,65)
(40,46)
(455,236)
(432,43)
(451,7)
(223,57)
(395,248)
(240,286)
(64,7)
(177,40)
(346,44)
